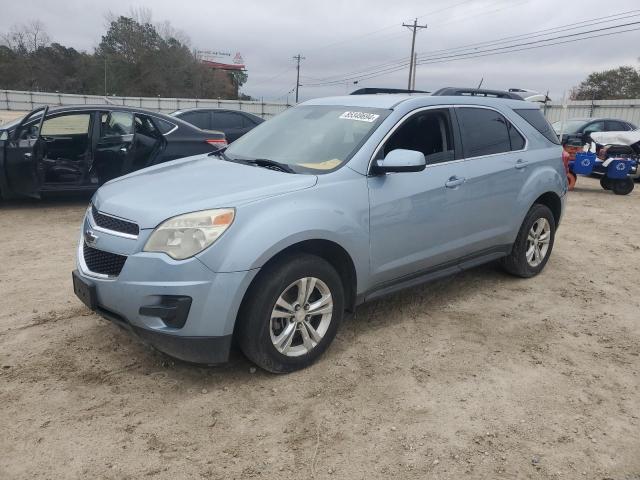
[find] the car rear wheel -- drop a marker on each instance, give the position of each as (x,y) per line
(291,314)
(533,245)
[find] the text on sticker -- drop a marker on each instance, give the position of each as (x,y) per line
(360,116)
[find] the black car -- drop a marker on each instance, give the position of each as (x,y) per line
(233,123)
(580,129)
(78,148)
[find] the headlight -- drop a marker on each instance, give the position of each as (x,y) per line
(186,235)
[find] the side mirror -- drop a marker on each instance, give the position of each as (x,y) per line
(400,160)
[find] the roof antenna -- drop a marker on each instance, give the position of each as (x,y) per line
(480,84)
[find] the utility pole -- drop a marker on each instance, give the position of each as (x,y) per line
(414,27)
(413,77)
(298,58)
(105,76)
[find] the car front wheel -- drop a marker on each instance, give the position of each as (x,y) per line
(291,314)
(534,243)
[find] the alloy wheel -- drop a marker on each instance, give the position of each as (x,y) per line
(538,241)
(301,316)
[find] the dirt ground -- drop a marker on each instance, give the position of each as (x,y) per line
(7,116)
(477,376)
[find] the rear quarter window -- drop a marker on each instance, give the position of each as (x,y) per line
(535,118)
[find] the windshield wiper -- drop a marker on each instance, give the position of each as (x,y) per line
(219,153)
(258,162)
(270,164)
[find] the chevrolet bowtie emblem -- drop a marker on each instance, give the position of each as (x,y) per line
(90,238)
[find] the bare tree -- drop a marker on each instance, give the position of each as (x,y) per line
(167,31)
(27,38)
(142,15)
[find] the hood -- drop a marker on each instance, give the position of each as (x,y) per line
(154,194)
(616,138)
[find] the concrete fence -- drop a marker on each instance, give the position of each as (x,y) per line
(25,101)
(621,109)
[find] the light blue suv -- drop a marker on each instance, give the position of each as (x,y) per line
(330,204)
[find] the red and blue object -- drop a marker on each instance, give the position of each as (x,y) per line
(615,176)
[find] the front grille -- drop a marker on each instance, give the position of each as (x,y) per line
(99,261)
(112,223)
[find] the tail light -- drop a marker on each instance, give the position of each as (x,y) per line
(217,142)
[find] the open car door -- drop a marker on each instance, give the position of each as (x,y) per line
(23,153)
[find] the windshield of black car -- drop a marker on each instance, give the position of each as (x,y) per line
(309,138)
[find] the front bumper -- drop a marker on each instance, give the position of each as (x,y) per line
(205,350)
(136,299)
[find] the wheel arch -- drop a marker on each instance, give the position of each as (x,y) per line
(553,202)
(330,251)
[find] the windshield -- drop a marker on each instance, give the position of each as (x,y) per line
(570,126)
(314,138)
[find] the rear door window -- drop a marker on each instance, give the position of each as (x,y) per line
(116,124)
(483,131)
(145,126)
(616,126)
(535,118)
(199,119)
(224,120)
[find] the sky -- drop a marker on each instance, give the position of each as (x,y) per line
(340,39)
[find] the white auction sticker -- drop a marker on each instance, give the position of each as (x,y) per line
(360,116)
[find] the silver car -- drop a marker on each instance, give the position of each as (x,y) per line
(330,204)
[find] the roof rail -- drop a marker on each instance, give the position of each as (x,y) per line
(476,92)
(373,90)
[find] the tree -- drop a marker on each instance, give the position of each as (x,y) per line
(138,58)
(26,38)
(622,82)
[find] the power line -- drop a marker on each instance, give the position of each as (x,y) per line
(480,54)
(542,40)
(401,63)
(423,59)
(388,27)
(540,33)
(534,47)
(405,59)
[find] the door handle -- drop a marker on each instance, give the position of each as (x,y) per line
(454,182)
(28,155)
(521,164)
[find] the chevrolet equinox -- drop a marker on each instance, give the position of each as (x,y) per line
(330,204)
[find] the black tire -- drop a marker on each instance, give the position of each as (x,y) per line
(516,262)
(623,186)
(254,318)
(605,182)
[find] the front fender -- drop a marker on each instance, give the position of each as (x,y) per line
(336,211)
